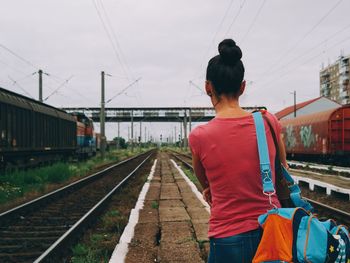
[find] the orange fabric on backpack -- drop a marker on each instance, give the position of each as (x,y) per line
(281,237)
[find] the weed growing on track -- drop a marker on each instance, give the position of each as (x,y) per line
(99,242)
(154,204)
(17,184)
(192,178)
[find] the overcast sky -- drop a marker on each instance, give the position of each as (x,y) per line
(168,44)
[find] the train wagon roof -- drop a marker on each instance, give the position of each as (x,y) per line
(322,116)
(18,100)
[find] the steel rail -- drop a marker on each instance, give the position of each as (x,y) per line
(53,252)
(18,211)
(342,216)
(28,211)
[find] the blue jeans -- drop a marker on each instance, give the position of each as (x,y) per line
(240,248)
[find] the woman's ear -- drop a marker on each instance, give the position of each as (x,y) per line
(208,88)
(242,88)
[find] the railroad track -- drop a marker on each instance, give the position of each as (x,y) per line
(323,210)
(322,168)
(42,230)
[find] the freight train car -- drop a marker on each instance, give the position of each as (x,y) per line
(319,136)
(32,132)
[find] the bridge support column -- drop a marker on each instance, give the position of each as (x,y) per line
(185,130)
(132,130)
(190,119)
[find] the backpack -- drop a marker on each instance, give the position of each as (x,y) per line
(295,234)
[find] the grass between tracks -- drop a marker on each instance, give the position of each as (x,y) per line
(25,185)
(98,243)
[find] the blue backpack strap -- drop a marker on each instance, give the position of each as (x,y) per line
(295,193)
(265,167)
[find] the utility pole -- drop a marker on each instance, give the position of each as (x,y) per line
(181,135)
(295,103)
(40,72)
(128,133)
(132,130)
(190,119)
(140,138)
(175,139)
(185,130)
(118,138)
(102,117)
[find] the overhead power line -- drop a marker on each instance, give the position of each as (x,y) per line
(197,87)
(313,48)
(215,35)
(305,62)
(303,37)
(13,68)
(110,38)
(59,87)
(116,39)
(18,56)
(235,18)
(123,90)
(254,20)
(14,82)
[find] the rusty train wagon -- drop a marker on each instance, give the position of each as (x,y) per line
(33,132)
(324,135)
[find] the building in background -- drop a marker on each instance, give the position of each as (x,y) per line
(334,81)
(307,107)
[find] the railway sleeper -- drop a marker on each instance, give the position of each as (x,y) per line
(49,222)
(27,242)
(49,233)
(19,257)
(35,228)
(20,247)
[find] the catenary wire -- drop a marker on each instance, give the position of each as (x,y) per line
(305,62)
(235,18)
(59,87)
(18,85)
(215,35)
(309,50)
(254,20)
(109,24)
(110,38)
(18,56)
(303,37)
(123,90)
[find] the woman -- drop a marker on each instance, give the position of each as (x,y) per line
(226,161)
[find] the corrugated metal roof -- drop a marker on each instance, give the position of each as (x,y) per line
(290,109)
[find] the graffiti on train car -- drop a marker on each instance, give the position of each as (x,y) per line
(291,141)
(306,135)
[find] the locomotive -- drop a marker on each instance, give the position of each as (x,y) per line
(32,132)
(323,136)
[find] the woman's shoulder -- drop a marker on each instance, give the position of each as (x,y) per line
(270,116)
(198,130)
(272,119)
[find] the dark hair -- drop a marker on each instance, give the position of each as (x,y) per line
(226,70)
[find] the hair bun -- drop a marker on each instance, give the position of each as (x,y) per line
(229,52)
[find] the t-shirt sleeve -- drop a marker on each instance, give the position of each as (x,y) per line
(194,142)
(275,123)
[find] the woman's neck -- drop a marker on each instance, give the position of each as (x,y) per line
(229,108)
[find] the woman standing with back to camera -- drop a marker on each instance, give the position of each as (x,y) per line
(226,161)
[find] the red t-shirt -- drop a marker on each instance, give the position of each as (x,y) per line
(228,151)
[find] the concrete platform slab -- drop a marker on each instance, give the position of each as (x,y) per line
(198,213)
(201,230)
(173,214)
(170,192)
(171,203)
